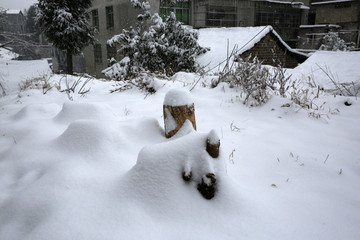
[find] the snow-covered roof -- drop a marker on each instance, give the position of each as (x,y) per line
(329,2)
(320,26)
(299,5)
(224,41)
(13,11)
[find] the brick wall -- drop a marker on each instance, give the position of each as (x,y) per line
(271,52)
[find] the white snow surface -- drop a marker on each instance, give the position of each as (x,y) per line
(178,97)
(343,67)
(13,73)
(99,167)
(320,26)
(6,54)
(331,1)
(13,11)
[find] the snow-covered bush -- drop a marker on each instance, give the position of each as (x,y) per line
(165,47)
(254,80)
(144,80)
(332,42)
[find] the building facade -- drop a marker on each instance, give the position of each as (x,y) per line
(341,16)
(111,16)
(15,22)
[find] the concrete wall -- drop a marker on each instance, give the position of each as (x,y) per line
(345,14)
(346,17)
(124,16)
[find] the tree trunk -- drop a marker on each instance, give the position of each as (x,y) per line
(175,116)
(69,62)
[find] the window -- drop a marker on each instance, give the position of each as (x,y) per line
(343,5)
(95,18)
(221,16)
(111,52)
(181,9)
(278,19)
(97,53)
(109,17)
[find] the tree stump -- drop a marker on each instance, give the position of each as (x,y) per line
(177,108)
(213,144)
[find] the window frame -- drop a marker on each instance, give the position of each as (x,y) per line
(109,13)
(98,53)
(95,18)
(181,8)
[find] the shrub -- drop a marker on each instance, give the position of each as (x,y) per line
(254,80)
(165,47)
(332,42)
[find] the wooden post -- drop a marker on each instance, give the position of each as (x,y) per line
(178,107)
(213,144)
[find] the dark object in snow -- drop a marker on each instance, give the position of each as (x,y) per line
(213,144)
(187,176)
(207,187)
(347,103)
(286,105)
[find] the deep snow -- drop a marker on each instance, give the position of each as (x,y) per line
(99,167)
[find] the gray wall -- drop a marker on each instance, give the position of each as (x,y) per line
(124,16)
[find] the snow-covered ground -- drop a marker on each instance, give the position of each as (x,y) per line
(99,167)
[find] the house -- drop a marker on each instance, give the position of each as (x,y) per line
(263,42)
(15,22)
(284,16)
(342,16)
(111,16)
(14,35)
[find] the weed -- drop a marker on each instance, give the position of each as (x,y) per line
(41,82)
(231,156)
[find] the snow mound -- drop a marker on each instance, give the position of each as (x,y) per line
(6,54)
(178,97)
(72,111)
(89,137)
(157,174)
(37,111)
(148,128)
(184,77)
(343,67)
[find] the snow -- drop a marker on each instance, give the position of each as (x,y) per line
(178,97)
(295,4)
(13,73)
(342,67)
(6,54)
(329,2)
(320,26)
(13,11)
(213,137)
(100,167)
(226,42)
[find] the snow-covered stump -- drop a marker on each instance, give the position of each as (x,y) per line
(207,187)
(179,113)
(213,144)
(178,107)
